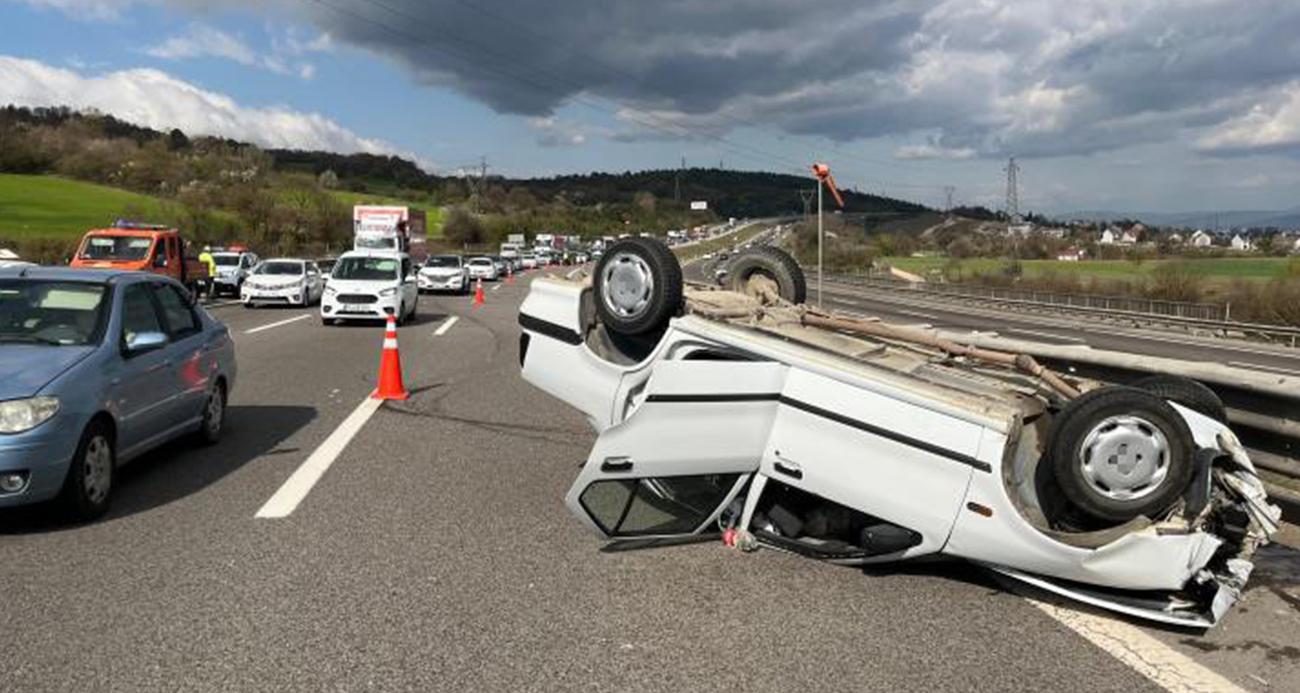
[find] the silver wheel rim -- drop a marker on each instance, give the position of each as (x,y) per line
(98,469)
(627,285)
(1124,458)
(213,413)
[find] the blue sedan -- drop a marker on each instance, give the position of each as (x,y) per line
(97,368)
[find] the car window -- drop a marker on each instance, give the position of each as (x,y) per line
(180,319)
(280,268)
(406,267)
(366,269)
(48,312)
(138,313)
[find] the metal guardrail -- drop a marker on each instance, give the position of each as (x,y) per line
(1203,315)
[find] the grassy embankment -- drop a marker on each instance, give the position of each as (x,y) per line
(1214,270)
(52,208)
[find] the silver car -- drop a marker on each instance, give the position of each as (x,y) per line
(97,368)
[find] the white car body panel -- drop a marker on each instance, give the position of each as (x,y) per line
(895,447)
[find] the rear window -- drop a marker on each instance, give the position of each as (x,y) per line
(226,260)
(116,248)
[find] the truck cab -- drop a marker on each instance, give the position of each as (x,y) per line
(142,248)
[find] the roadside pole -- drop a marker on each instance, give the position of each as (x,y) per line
(821,274)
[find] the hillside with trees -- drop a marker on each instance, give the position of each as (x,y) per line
(298,201)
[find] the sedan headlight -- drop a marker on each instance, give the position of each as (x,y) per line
(390,291)
(18,415)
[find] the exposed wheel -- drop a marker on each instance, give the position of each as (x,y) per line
(1118,452)
(88,487)
(214,416)
(746,269)
(638,286)
(1186,392)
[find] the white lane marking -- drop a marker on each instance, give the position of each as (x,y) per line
(498,286)
(1260,367)
(1161,664)
(296,318)
(296,488)
(446,325)
(1049,335)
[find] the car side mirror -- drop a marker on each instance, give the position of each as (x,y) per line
(141,342)
(160,261)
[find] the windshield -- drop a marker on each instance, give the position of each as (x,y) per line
(443,261)
(280,269)
(49,312)
(116,248)
(226,260)
(366,268)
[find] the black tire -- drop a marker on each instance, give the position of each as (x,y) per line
(1145,414)
(210,430)
(77,500)
(772,263)
(631,309)
(1186,392)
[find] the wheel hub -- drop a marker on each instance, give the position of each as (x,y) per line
(98,469)
(1124,458)
(627,285)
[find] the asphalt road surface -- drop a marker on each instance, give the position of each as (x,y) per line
(435,554)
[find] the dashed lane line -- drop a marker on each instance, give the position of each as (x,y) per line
(446,325)
(498,286)
(280,323)
(286,500)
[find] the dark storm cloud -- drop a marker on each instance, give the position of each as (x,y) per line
(1033,77)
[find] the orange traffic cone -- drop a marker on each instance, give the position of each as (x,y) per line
(478,294)
(390,367)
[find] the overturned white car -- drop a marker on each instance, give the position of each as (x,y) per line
(743,412)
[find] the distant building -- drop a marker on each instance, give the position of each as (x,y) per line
(1054,232)
(1021,229)
(1109,236)
(1295,245)
(1240,242)
(1176,238)
(1128,238)
(1071,254)
(1200,239)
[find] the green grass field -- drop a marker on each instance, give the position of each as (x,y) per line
(433,214)
(1215,269)
(34,207)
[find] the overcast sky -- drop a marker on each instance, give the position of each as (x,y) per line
(1129,105)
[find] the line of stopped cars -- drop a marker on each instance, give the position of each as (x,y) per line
(740,411)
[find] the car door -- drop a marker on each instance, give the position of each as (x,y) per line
(410,287)
(887,454)
(314,287)
(191,363)
(141,387)
(690,445)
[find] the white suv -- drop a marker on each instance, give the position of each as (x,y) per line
(369,285)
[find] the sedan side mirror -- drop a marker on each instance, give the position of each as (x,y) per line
(145,341)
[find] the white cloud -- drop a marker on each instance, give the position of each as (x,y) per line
(1267,126)
(204,41)
(553,131)
(932,151)
(153,98)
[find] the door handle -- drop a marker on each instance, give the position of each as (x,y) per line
(789,469)
(616,464)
